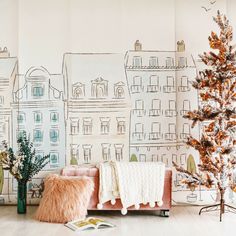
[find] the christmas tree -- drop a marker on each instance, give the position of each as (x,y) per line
(216,115)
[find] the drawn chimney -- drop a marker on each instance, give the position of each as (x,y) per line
(137,46)
(4,52)
(180,46)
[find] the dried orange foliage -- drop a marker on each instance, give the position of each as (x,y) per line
(217,113)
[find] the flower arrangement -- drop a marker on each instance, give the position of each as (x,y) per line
(23,165)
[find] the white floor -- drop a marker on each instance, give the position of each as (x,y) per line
(182,221)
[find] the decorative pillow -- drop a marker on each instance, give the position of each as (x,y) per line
(64,199)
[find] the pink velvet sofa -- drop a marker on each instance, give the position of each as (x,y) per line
(93,173)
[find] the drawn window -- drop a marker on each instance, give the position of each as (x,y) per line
(153,84)
(170,85)
(172,128)
(119,152)
(38,117)
(139,104)
(155,133)
(105,125)
(54,135)
(186,107)
(185,131)
(172,105)
(38,135)
(169,62)
(87,126)
(139,128)
(136,87)
(74,150)
(87,152)
(78,90)
(182,61)
(54,159)
(142,157)
(38,91)
(184,86)
(99,88)
(74,126)
(155,157)
(137,61)
(171,111)
(54,117)
(137,80)
(153,61)
(170,81)
(121,125)
(21,118)
(171,135)
(119,92)
(184,81)
(156,127)
(156,104)
(106,151)
(154,80)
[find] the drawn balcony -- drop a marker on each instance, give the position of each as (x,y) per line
(139,112)
(184,136)
(185,131)
(170,136)
(155,136)
(170,113)
(153,88)
(136,88)
(139,136)
(169,89)
(183,88)
(184,112)
(154,112)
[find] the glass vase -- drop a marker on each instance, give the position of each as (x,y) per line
(21,197)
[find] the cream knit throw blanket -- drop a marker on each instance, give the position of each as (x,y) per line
(133,182)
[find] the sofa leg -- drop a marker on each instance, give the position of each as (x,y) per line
(165,213)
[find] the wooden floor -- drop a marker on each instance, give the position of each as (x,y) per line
(182,221)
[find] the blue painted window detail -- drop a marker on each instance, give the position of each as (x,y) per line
(38,91)
(38,117)
(54,135)
(38,135)
(54,117)
(54,159)
(21,118)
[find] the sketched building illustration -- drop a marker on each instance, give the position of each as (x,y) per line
(159,83)
(97,107)
(8,71)
(101,107)
(38,110)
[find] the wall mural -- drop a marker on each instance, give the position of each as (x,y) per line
(103,106)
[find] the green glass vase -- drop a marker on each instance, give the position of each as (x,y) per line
(21,197)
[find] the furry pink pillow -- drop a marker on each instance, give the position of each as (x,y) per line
(64,199)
